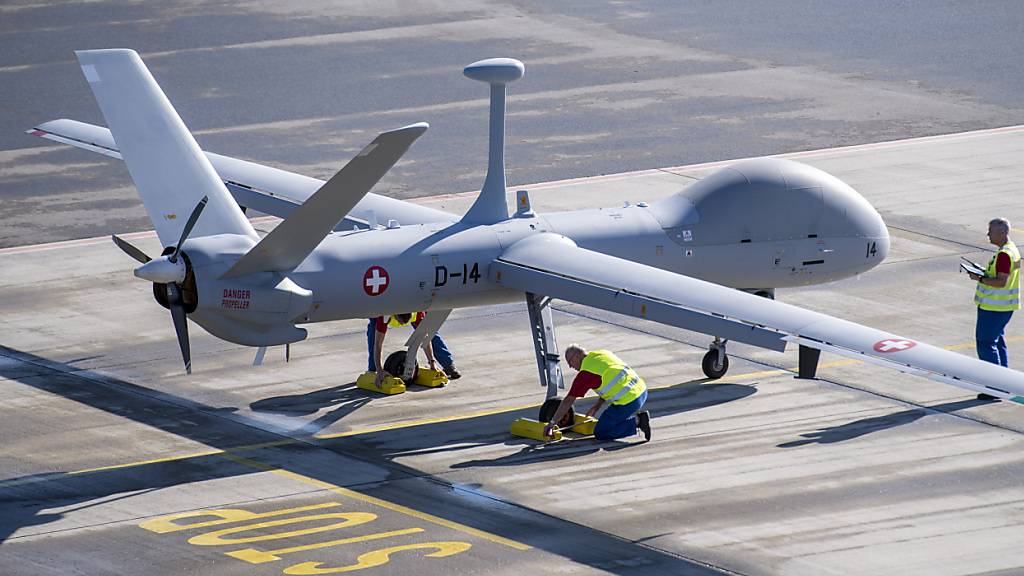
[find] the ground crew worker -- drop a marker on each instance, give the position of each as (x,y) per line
(378,328)
(616,384)
(997,294)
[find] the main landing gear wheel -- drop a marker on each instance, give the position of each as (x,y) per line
(395,365)
(548,408)
(715,364)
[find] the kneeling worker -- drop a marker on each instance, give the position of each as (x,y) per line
(616,384)
(377,330)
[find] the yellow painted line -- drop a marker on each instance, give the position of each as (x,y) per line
(378,502)
(145,462)
(244,448)
(424,421)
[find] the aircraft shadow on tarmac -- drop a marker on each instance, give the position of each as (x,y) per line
(344,399)
(492,429)
(24,499)
(866,426)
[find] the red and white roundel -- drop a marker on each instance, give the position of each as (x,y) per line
(375,281)
(894,345)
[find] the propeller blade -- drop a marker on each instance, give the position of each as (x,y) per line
(180,323)
(130,250)
(188,226)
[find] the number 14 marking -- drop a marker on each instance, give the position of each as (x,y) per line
(442,275)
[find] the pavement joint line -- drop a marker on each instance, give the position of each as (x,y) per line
(973,247)
(345,492)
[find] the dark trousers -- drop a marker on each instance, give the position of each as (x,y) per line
(619,421)
(441,352)
(988,333)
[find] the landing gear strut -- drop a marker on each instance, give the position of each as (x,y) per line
(716,361)
(542,327)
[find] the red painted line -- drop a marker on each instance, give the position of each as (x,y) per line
(584,180)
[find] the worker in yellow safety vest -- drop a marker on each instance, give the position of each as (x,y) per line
(997,294)
(377,330)
(616,384)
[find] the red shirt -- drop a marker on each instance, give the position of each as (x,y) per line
(584,381)
(382,324)
(1003,264)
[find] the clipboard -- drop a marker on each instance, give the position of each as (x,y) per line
(971,267)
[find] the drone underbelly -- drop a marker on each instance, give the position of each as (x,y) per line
(780,264)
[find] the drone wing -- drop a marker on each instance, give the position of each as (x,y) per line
(262,188)
(554,266)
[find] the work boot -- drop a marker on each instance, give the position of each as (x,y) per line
(452,372)
(643,423)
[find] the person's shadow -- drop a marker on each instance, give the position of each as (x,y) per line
(866,426)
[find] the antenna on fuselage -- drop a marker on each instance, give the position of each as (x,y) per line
(490,205)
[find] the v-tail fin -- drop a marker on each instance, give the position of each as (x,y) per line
(170,171)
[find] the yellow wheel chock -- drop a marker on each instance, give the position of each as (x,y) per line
(534,429)
(430,378)
(390,385)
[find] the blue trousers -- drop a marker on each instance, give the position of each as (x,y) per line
(441,352)
(988,334)
(619,421)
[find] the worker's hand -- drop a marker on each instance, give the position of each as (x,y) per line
(974,276)
(380,378)
(593,410)
(549,430)
(433,365)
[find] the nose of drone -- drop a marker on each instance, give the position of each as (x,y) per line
(495,70)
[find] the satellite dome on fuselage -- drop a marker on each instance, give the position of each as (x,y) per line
(769,199)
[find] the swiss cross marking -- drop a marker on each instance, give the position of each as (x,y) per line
(375,281)
(894,345)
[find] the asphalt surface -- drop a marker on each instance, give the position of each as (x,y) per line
(114,461)
(609,87)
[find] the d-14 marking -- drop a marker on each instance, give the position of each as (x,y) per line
(442,275)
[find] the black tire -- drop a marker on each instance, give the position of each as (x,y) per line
(394,364)
(548,408)
(708,365)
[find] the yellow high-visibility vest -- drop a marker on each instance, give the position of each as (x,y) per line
(619,383)
(1006,298)
(394,323)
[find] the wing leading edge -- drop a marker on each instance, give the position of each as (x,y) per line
(268,190)
(553,265)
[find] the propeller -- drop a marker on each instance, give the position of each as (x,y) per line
(170,271)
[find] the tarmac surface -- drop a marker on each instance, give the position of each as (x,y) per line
(114,461)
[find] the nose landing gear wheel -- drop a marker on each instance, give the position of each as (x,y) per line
(715,364)
(395,365)
(548,408)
